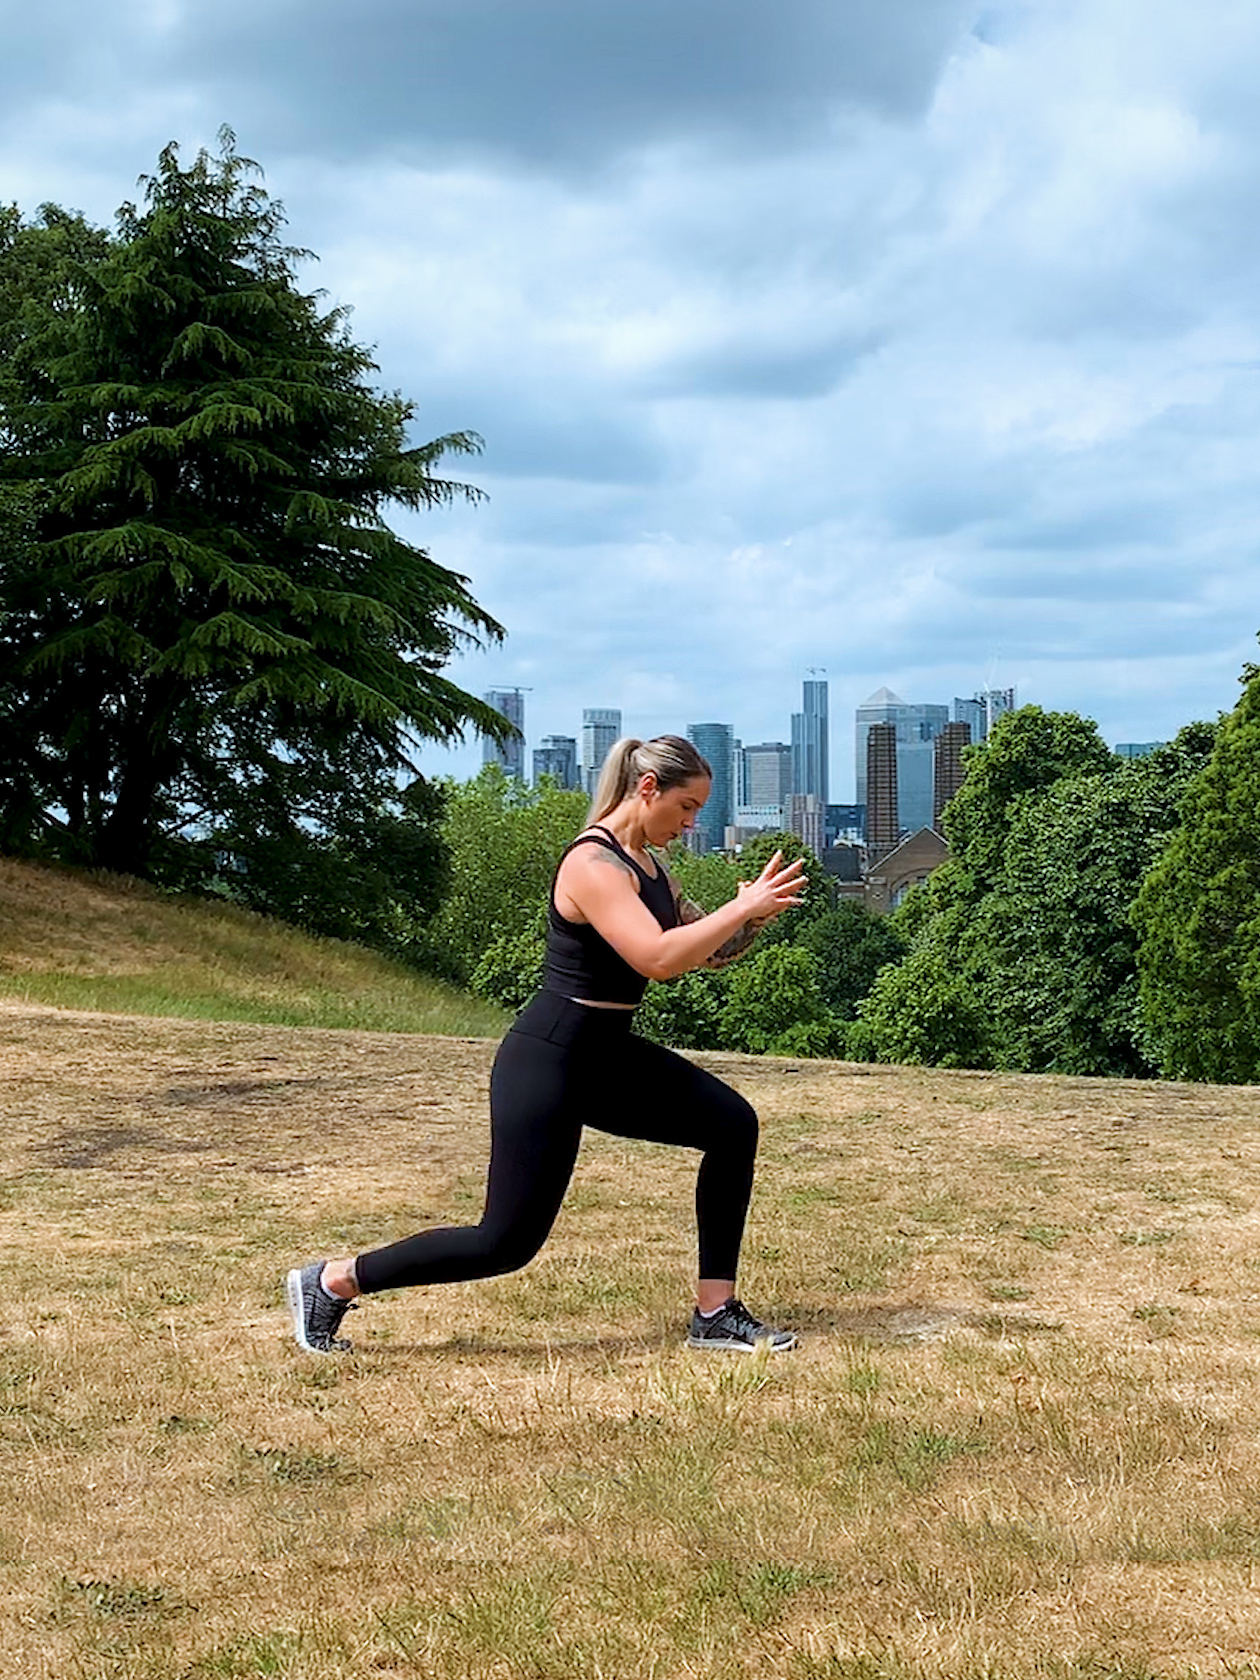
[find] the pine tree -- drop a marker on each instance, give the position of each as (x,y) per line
(206,624)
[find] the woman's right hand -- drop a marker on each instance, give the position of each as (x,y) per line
(779,887)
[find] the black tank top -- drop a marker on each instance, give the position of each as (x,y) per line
(579,962)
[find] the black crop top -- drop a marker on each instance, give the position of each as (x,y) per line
(579,962)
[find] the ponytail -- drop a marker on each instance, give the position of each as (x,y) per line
(670,758)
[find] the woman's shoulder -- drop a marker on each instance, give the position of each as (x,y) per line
(593,848)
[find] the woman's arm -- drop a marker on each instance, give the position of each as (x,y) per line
(603,891)
(731,948)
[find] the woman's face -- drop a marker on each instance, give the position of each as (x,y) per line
(674,811)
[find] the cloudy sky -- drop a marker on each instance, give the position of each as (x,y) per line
(914,340)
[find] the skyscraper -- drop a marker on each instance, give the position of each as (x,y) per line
(511,755)
(810,749)
(949,772)
(983,710)
(601,726)
(916,727)
(765,774)
(807,819)
(557,758)
(879,781)
(716,742)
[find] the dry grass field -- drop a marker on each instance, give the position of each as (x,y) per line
(1019,1438)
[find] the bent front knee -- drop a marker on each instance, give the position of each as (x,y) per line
(742,1127)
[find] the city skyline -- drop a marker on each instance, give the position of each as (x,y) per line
(814,691)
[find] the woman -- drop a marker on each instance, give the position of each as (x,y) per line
(570,1060)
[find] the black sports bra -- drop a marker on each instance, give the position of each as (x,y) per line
(579,962)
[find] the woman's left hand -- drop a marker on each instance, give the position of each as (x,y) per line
(778,888)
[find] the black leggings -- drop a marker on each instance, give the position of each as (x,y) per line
(561,1067)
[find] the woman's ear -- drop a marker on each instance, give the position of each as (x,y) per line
(647,785)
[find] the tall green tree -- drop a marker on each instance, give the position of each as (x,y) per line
(1061,948)
(207,626)
(1028,751)
(1198,915)
(1023,954)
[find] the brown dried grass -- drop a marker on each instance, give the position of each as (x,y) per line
(1017,1439)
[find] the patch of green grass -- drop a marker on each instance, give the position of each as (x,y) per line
(248,1656)
(1160,1320)
(86,940)
(1045,1236)
(295,1467)
(123,1600)
(395,1003)
(1013,1325)
(863,1379)
(759,1592)
(914,1456)
(867,1265)
(815,1195)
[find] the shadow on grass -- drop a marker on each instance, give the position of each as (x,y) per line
(484,1347)
(890,1321)
(899,1321)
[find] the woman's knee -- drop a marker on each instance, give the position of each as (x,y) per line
(508,1251)
(733,1123)
(743,1123)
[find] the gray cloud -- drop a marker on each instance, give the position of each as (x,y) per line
(773,367)
(564,80)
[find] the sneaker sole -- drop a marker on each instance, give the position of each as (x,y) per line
(767,1344)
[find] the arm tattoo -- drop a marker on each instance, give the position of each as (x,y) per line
(603,855)
(734,947)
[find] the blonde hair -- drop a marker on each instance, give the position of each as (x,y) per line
(670,758)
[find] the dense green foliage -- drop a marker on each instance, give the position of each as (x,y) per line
(851,947)
(211,641)
(1199,915)
(503,841)
(775,1004)
(1023,954)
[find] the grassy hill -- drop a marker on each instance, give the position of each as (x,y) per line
(105,942)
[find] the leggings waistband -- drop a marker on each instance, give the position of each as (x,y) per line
(561,1020)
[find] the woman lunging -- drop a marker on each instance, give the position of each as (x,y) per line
(571,1060)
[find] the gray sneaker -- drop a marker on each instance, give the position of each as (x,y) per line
(316,1314)
(735,1330)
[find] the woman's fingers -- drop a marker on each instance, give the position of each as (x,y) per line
(783,884)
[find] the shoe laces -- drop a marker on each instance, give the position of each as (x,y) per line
(327,1312)
(743,1320)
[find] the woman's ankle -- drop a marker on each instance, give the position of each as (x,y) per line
(712,1294)
(338,1278)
